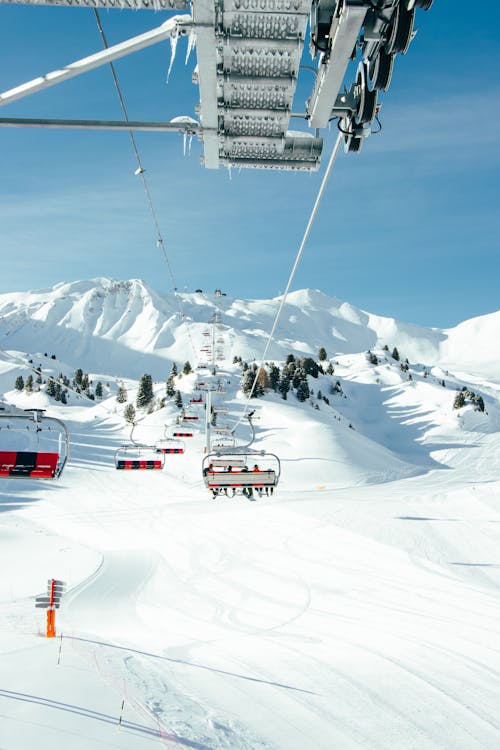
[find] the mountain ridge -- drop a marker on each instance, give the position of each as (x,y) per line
(138,329)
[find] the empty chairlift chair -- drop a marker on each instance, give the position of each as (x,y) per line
(32,445)
(137,457)
(170,445)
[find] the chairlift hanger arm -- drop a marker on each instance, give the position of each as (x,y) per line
(177,25)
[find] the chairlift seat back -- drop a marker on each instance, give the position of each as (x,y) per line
(241,479)
(35,465)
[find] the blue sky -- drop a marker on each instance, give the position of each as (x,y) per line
(409,228)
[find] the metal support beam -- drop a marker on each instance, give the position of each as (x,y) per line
(206,53)
(344,32)
(171,28)
(189,127)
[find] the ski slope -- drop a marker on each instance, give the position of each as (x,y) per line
(356,609)
(360,613)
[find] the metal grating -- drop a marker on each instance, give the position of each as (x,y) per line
(258,46)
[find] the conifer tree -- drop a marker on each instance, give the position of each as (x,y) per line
(121,396)
(322,356)
(329,369)
(98,389)
(19,384)
(247,381)
(64,400)
(459,401)
(309,366)
(78,376)
(290,358)
(174,370)
(395,354)
(178,400)
(28,386)
(274,377)
(129,413)
(298,377)
(170,387)
(187,368)
(144,391)
(303,391)
(284,386)
(50,388)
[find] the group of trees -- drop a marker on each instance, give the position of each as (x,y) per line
(58,387)
(145,398)
(293,376)
(465,396)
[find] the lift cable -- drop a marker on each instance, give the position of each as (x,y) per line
(294,268)
(141,172)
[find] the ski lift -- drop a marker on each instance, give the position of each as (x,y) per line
(131,457)
(138,456)
(32,445)
(198,400)
(232,471)
(222,430)
(182,434)
(169,445)
(190,418)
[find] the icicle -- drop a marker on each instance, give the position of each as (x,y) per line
(184,140)
(191,43)
(173,48)
(189,144)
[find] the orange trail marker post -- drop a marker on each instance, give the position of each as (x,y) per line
(51,602)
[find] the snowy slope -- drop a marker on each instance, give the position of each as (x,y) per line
(356,609)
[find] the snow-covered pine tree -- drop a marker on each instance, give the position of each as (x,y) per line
(121,396)
(274,377)
(129,413)
(303,390)
(144,391)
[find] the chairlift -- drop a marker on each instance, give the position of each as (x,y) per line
(233,471)
(32,445)
(222,430)
(170,445)
(182,434)
(190,417)
(132,457)
(138,456)
(198,400)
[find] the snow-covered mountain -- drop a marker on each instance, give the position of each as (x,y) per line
(104,321)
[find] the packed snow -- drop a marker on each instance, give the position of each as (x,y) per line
(357,608)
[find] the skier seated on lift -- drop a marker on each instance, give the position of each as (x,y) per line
(259,489)
(208,468)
